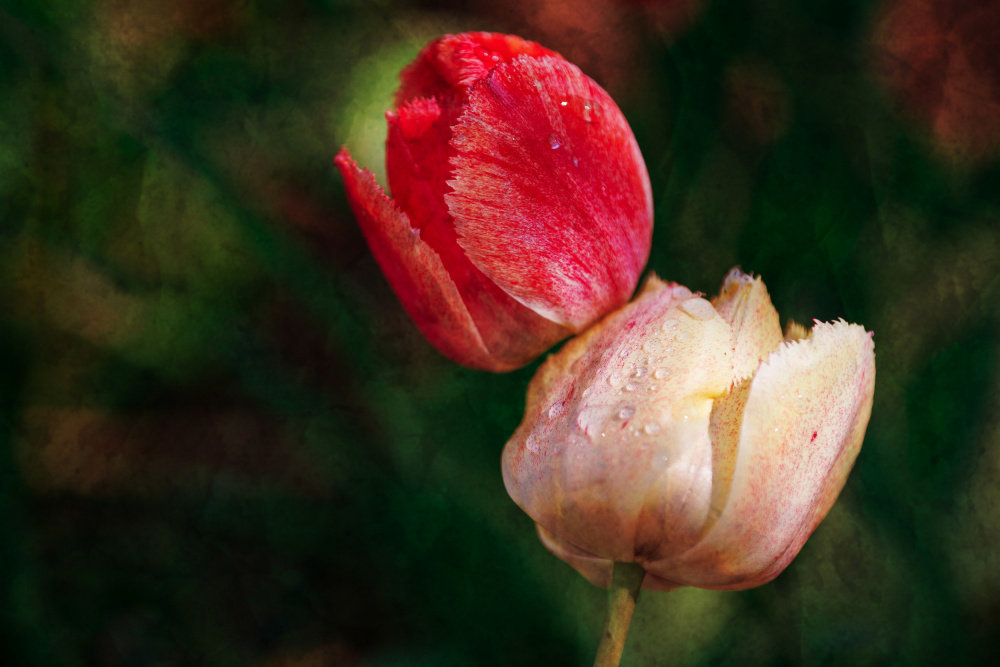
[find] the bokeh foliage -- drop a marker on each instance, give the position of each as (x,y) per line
(225,444)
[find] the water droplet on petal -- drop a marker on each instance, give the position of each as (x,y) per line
(586,392)
(623,353)
(652,428)
(661,373)
(653,387)
(640,372)
(554,141)
(682,412)
(668,326)
(631,386)
(586,109)
(626,413)
(532,443)
(682,336)
(698,308)
(615,380)
(556,410)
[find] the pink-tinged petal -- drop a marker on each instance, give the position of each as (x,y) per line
(744,303)
(417,153)
(551,196)
(597,570)
(615,431)
(802,426)
(413,269)
(449,65)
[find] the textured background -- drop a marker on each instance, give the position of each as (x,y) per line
(223,443)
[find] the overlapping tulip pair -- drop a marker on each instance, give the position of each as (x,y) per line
(690,436)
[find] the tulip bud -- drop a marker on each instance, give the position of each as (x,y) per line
(688,436)
(521,210)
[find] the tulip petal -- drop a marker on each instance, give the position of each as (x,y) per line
(615,432)
(803,422)
(551,196)
(413,269)
(417,164)
(744,303)
(457,61)
(795,331)
(416,161)
(597,570)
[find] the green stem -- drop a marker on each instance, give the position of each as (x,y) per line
(625,583)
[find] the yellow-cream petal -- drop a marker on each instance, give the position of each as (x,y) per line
(743,301)
(795,331)
(800,430)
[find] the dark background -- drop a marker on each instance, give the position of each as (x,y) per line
(223,442)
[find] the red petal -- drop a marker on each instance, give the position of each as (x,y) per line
(450,64)
(416,161)
(413,270)
(551,196)
(417,153)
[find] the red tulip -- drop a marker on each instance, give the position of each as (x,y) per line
(521,209)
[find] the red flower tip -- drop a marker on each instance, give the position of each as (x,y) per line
(452,63)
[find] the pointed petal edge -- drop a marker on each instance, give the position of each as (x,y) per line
(414,270)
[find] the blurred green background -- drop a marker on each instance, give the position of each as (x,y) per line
(223,442)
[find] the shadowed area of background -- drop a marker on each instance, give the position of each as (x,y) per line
(223,442)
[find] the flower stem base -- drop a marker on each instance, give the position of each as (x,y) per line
(626,581)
